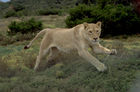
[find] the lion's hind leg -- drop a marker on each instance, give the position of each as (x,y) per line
(54,53)
(44,50)
(40,57)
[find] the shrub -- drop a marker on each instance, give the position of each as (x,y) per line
(18,7)
(79,15)
(29,26)
(20,13)
(117,19)
(15,13)
(9,13)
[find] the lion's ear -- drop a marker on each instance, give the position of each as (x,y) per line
(85,25)
(99,23)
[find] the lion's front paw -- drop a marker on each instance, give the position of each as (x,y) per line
(113,52)
(101,67)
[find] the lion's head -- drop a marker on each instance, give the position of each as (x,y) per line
(92,31)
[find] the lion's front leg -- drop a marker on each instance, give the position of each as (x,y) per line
(97,48)
(86,55)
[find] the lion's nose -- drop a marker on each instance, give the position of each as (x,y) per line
(95,39)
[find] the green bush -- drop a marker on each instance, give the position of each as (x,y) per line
(20,14)
(18,7)
(29,26)
(49,12)
(116,19)
(10,13)
(14,13)
(79,15)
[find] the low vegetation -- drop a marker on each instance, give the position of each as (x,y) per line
(70,73)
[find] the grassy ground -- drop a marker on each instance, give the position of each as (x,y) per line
(71,73)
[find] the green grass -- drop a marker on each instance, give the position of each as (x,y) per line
(71,73)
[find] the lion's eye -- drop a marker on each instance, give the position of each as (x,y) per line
(90,32)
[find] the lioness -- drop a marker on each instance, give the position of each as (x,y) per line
(80,38)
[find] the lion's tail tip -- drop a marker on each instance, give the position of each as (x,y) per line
(26,47)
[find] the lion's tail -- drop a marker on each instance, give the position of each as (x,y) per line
(40,33)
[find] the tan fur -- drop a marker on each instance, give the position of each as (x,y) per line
(80,38)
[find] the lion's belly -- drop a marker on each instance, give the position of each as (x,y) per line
(65,47)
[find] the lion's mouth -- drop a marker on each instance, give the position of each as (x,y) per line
(95,41)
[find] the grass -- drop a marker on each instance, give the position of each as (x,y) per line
(71,73)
